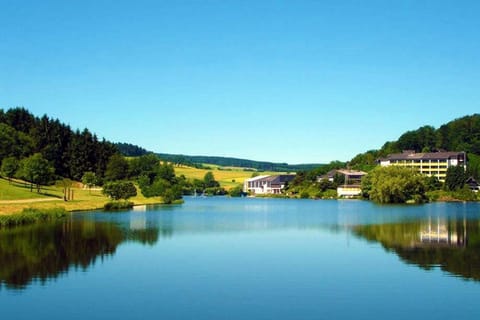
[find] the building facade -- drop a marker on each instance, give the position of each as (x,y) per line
(427,163)
(352,180)
(267,184)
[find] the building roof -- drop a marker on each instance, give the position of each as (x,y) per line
(346,172)
(274,179)
(282,178)
(257,178)
(352,172)
(412,155)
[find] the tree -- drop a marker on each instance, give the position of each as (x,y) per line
(67,192)
(394,185)
(142,165)
(455,178)
(117,168)
(9,168)
(37,170)
(89,179)
(119,190)
(236,191)
(210,181)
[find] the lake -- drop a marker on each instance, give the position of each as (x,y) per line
(228,258)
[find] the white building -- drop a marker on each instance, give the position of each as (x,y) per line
(267,184)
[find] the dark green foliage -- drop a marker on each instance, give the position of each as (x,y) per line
(236,191)
(304,195)
(456,178)
(9,167)
(130,150)
(14,143)
(209,180)
(306,181)
(36,170)
(473,166)
(70,152)
(161,182)
(119,190)
(118,205)
(117,168)
(145,164)
(29,216)
(215,191)
(394,185)
(461,134)
(432,183)
(325,184)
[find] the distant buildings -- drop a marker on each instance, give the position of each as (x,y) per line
(267,184)
(350,181)
(428,163)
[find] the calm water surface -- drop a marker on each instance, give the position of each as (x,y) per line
(221,258)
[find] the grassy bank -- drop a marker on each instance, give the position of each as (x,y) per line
(16,197)
(30,215)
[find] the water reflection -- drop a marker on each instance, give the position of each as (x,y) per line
(444,235)
(451,243)
(45,251)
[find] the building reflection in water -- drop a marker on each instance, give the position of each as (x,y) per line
(451,243)
(438,232)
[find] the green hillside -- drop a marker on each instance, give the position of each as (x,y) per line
(462,134)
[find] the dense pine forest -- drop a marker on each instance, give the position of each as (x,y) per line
(71,152)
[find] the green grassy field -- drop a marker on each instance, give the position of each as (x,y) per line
(15,197)
(17,191)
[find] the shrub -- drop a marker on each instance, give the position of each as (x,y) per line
(119,190)
(118,205)
(304,195)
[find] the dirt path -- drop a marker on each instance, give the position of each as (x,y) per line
(28,200)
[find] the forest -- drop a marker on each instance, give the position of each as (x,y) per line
(70,152)
(462,134)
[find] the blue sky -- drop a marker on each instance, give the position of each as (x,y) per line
(284,81)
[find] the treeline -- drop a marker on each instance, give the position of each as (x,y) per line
(235,162)
(130,150)
(462,134)
(70,152)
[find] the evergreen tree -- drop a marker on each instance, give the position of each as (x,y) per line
(456,178)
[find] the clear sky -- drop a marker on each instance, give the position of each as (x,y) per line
(284,81)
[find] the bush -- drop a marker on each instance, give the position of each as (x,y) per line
(236,191)
(304,195)
(119,190)
(330,194)
(118,205)
(215,191)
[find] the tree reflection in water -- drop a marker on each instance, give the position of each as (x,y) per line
(449,243)
(44,251)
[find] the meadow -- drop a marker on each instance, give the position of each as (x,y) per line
(16,196)
(228,177)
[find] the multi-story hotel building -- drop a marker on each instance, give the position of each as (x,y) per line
(428,163)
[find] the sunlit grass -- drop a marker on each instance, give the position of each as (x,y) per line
(228,177)
(52,197)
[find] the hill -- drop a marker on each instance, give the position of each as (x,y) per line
(227,177)
(236,162)
(462,134)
